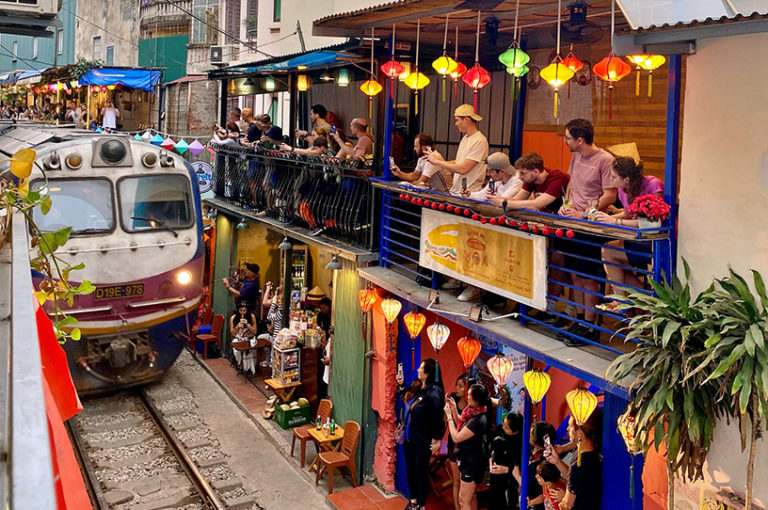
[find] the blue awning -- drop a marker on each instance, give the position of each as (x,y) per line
(28,78)
(143,79)
(310,60)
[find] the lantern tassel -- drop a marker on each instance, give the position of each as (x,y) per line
(416,107)
(578,451)
(475,100)
(632,478)
(650,83)
(637,83)
(555,106)
(370,107)
(443,80)
(610,102)
(569,89)
(413,353)
(455,90)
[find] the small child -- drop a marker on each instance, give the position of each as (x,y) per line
(552,485)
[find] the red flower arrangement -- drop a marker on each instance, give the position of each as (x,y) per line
(652,207)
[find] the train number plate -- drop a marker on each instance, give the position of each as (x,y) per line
(118,291)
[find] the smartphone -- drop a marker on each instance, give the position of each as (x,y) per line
(491,186)
(547,444)
(464,183)
(391,162)
(400,371)
(333,129)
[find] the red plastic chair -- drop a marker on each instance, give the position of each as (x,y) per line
(217,325)
(343,458)
(302,433)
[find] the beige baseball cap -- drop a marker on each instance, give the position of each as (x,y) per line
(500,161)
(467,110)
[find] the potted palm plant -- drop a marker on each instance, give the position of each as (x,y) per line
(672,405)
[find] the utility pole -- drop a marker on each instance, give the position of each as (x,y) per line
(301,36)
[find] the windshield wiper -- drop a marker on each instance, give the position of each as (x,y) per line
(155,222)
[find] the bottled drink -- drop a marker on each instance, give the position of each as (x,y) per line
(319,422)
(326,427)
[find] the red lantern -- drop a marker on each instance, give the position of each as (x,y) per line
(502,220)
(426,203)
(449,208)
(559,232)
(477,78)
(483,220)
(493,221)
(512,223)
(467,213)
(434,205)
(574,64)
(545,231)
(414,322)
(569,234)
(475,217)
(469,348)
(366,299)
(611,69)
(441,207)
(392,69)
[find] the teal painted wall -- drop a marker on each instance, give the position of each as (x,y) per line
(26,60)
(222,259)
(348,388)
(168,52)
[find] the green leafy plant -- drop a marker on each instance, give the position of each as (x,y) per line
(737,360)
(672,403)
(15,197)
(83,65)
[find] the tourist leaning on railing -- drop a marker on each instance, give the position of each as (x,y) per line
(542,189)
(425,173)
(364,147)
(627,176)
(503,180)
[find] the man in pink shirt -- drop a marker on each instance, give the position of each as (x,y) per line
(590,188)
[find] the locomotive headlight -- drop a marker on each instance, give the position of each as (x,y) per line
(113,151)
(183,277)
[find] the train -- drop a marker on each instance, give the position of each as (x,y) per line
(137,227)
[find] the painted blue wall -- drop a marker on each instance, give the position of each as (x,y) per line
(45,46)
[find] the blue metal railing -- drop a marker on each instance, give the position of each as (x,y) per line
(605,267)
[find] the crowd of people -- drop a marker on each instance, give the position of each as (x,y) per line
(599,186)
(484,452)
(49,112)
(323,138)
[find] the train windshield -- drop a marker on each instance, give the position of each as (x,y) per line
(83,204)
(156,202)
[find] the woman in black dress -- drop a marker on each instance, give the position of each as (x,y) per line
(424,429)
(469,436)
(459,396)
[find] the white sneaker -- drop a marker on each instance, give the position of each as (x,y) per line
(450,284)
(470,294)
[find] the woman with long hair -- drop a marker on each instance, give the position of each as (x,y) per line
(627,175)
(242,327)
(459,397)
(469,435)
(424,429)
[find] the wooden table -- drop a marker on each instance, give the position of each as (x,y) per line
(283,391)
(325,443)
(244,348)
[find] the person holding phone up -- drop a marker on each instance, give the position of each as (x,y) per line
(503,181)
(424,428)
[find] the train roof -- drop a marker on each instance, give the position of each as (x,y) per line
(34,135)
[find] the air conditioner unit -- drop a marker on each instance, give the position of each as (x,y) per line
(30,8)
(222,55)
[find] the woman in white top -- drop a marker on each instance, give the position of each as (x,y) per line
(503,183)
(426,173)
(109,115)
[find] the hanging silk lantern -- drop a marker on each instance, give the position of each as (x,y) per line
(391,308)
(536,384)
(460,68)
(444,64)
(416,80)
(649,64)
(636,59)
(476,77)
(406,71)
(303,82)
(269,84)
(458,71)
(582,404)
(392,69)
(514,57)
(366,298)
(370,88)
(611,69)
(414,323)
(342,78)
(627,426)
(574,64)
(438,334)
(469,348)
(500,367)
(556,74)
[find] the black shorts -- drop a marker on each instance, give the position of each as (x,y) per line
(576,254)
(472,471)
(635,259)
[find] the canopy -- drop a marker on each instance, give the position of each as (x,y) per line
(143,79)
(28,78)
(310,60)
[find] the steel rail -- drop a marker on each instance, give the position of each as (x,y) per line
(91,481)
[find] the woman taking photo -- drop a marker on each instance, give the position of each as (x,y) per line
(459,397)
(423,429)
(469,434)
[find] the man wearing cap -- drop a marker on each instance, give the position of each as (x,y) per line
(249,292)
(468,167)
(272,139)
(504,182)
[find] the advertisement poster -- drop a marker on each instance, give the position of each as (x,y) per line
(506,262)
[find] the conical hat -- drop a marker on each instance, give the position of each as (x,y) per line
(316,293)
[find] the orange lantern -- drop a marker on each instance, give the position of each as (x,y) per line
(469,348)
(414,323)
(611,69)
(438,334)
(392,69)
(460,68)
(500,367)
(574,64)
(628,429)
(366,298)
(477,77)
(536,384)
(391,308)
(303,82)
(582,404)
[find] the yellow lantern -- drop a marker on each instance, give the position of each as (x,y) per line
(582,404)
(416,81)
(649,64)
(636,59)
(303,82)
(391,308)
(556,74)
(500,367)
(627,425)
(438,334)
(536,384)
(444,66)
(406,71)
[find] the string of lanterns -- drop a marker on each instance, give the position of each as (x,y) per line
(168,143)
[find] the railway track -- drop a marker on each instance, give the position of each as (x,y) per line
(148,449)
